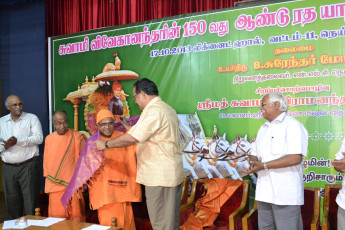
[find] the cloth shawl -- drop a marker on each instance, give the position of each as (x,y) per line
(59,166)
(90,162)
(208,207)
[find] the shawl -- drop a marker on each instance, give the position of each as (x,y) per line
(90,162)
(208,207)
(59,166)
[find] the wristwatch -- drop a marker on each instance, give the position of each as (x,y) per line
(106,144)
(265,166)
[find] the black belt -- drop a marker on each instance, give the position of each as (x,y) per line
(21,163)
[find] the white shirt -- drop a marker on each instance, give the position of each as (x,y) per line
(281,186)
(341,195)
(28,131)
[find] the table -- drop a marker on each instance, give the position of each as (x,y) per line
(62,225)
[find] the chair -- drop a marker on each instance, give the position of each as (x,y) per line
(185,188)
(310,212)
(311,208)
(44,203)
(236,216)
(114,224)
(198,190)
(141,215)
(330,207)
(37,212)
(250,220)
(230,213)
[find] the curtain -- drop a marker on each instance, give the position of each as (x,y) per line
(72,16)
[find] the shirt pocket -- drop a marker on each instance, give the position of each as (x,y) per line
(278,144)
(22,130)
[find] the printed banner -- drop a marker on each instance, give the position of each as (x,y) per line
(218,65)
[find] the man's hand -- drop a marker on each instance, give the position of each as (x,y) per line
(10,142)
(100,144)
(339,165)
(124,123)
(254,167)
(119,142)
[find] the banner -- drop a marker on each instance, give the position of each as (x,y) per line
(217,64)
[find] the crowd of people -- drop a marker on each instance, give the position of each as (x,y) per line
(146,154)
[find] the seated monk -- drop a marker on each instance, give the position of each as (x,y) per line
(114,187)
(61,153)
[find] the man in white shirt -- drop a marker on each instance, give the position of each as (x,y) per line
(339,165)
(20,134)
(276,156)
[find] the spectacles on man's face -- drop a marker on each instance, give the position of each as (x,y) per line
(136,95)
(265,103)
(110,124)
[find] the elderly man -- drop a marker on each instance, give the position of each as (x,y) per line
(159,161)
(114,188)
(20,133)
(61,153)
(339,165)
(276,156)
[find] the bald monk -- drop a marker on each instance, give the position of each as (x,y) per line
(61,152)
(114,188)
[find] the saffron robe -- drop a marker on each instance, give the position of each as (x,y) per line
(116,183)
(61,154)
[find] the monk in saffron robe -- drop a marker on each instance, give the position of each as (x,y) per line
(114,188)
(61,152)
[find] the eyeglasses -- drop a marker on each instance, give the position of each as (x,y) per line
(103,125)
(136,94)
(265,103)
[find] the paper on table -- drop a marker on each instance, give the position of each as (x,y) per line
(12,224)
(34,222)
(47,221)
(96,227)
(8,224)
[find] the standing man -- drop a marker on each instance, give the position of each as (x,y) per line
(159,162)
(20,133)
(276,156)
(61,153)
(339,165)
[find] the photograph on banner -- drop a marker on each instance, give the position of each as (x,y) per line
(217,64)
